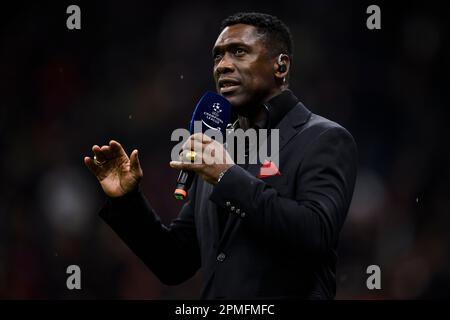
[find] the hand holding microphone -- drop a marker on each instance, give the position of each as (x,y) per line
(204,156)
(214,113)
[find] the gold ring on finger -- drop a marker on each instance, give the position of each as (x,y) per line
(98,163)
(190,155)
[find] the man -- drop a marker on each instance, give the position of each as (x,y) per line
(252,236)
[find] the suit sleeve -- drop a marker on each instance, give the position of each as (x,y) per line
(310,221)
(172,252)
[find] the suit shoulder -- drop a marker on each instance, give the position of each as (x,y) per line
(318,125)
(322,124)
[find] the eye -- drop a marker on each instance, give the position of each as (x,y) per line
(217,57)
(239,52)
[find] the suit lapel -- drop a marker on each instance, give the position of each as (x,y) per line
(288,128)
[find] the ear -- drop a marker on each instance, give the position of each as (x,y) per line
(282,65)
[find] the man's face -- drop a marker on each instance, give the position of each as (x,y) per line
(243,69)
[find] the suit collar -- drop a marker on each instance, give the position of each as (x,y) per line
(276,109)
(279,106)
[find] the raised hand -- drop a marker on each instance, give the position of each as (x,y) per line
(117,173)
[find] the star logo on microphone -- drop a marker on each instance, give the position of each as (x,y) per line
(216,107)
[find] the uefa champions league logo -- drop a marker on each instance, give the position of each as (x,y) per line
(216,109)
(213,116)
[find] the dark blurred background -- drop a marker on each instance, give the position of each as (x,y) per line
(134,73)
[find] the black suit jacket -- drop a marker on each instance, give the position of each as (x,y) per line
(281,235)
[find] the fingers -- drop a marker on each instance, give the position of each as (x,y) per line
(89,162)
(99,155)
(191,156)
(200,137)
(209,155)
(197,140)
(102,155)
(185,166)
(134,163)
(191,145)
(117,149)
(108,152)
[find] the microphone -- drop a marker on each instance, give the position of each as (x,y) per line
(214,112)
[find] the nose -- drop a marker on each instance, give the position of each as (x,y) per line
(225,65)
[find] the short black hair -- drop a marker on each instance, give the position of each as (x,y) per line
(277,34)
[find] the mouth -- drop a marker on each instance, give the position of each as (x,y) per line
(228,86)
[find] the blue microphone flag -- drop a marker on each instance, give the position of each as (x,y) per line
(214,112)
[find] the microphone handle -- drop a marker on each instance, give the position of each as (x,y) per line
(184,182)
